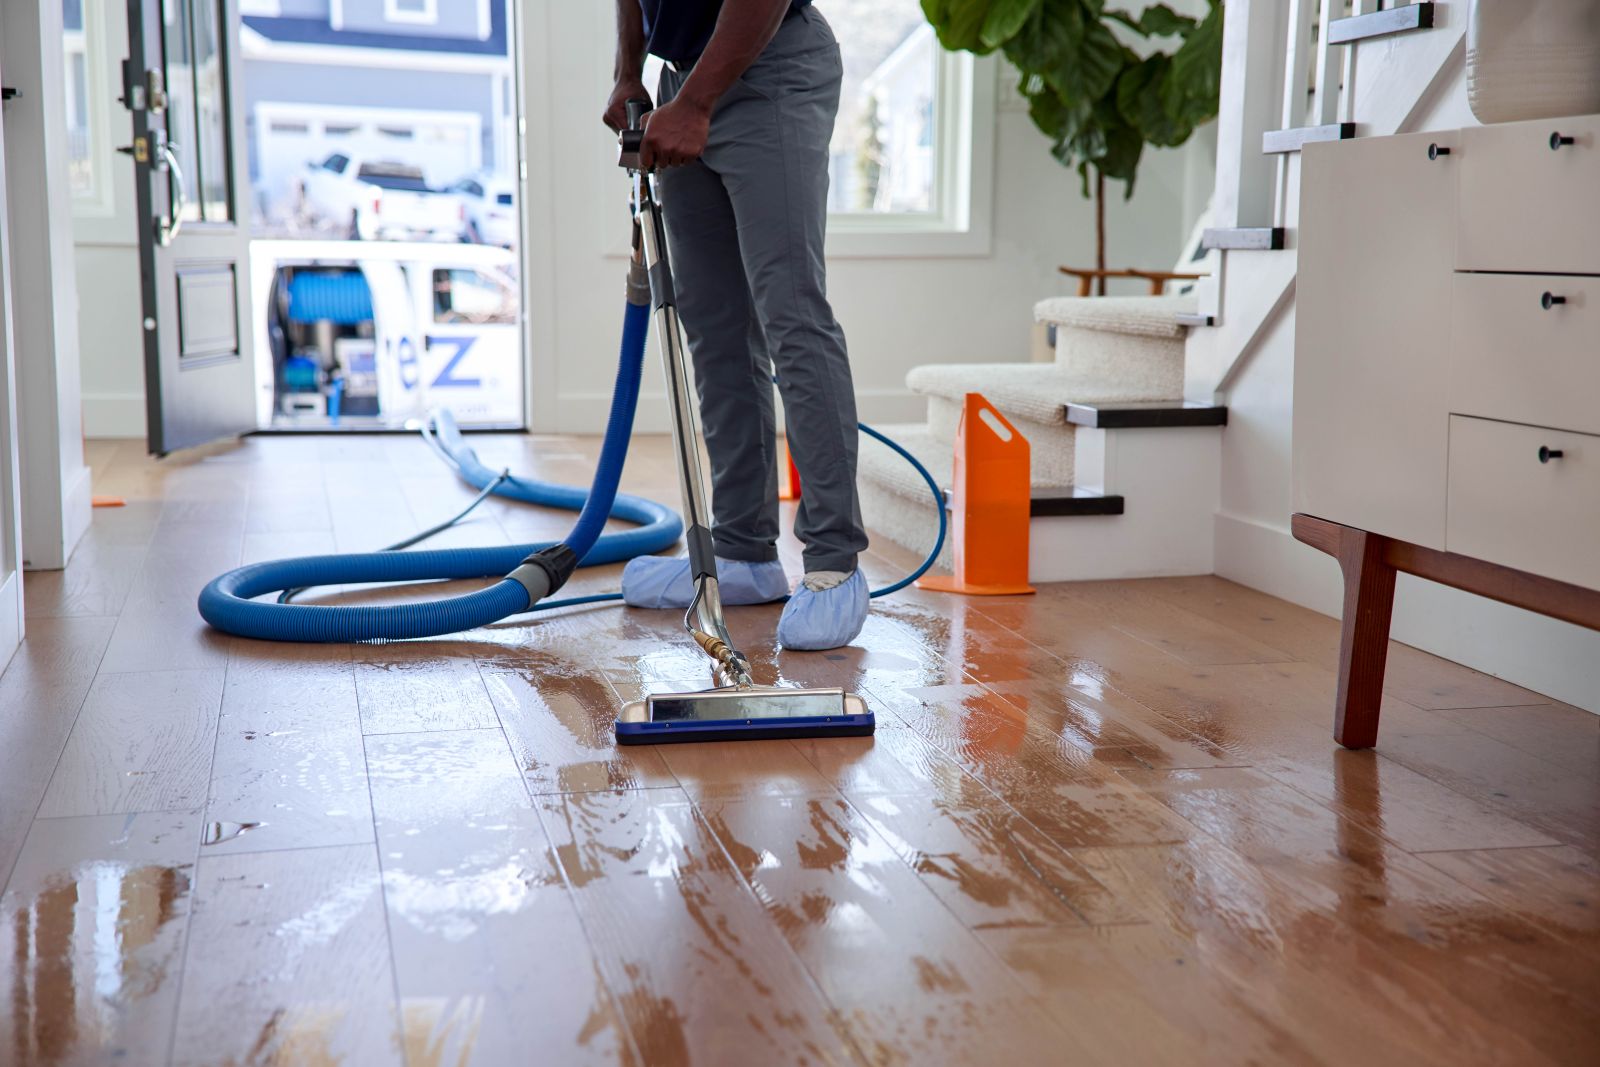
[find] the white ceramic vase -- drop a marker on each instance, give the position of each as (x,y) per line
(1533,59)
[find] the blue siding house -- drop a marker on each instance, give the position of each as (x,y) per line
(428,82)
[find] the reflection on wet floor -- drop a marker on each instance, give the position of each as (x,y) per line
(85,952)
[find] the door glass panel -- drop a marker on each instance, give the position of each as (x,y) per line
(176,38)
(197,102)
(211,112)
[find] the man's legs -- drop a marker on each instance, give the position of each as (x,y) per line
(769,145)
(734,379)
(733,374)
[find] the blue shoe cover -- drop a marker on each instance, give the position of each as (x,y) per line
(817,619)
(664,582)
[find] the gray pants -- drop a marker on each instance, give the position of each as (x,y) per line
(745,228)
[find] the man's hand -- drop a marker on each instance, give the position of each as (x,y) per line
(616,115)
(675,134)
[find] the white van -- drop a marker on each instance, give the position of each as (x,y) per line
(371,336)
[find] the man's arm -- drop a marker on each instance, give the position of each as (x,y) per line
(677,133)
(630,63)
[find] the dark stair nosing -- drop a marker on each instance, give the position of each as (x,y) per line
(1146,415)
(1244,238)
(1381,23)
(1277,142)
(1194,318)
(1058,503)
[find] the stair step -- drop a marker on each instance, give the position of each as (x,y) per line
(1245,239)
(1072,500)
(1143,316)
(1155,414)
(1381,23)
(1275,142)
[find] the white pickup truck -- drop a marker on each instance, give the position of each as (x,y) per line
(370,199)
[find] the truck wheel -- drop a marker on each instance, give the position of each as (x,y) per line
(355,226)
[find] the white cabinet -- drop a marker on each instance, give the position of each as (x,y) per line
(1448,327)
(1377,240)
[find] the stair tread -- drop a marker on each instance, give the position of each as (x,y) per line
(1039,392)
(1148,414)
(1141,316)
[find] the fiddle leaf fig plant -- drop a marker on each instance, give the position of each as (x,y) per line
(1096,98)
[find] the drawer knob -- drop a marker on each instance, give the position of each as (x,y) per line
(1546,453)
(1435,151)
(1557,140)
(1550,300)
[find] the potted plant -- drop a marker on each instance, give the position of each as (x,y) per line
(1097,99)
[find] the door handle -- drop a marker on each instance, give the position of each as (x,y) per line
(167,228)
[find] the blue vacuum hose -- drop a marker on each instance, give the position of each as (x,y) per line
(228,603)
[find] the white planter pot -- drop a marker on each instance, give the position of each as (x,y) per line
(1533,59)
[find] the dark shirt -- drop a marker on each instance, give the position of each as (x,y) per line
(679,30)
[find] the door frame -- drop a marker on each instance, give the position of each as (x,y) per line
(11,609)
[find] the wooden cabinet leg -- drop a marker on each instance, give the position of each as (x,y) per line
(1364,642)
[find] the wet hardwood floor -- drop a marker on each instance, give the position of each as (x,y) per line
(1105,824)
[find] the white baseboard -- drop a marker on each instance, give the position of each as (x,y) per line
(10,617)
(113,415)
(1533,651)
(77,510)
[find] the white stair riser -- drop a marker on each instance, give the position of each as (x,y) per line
(1050,447)
(1104,367)
(1168,477)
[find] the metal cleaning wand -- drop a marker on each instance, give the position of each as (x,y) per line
(703,619)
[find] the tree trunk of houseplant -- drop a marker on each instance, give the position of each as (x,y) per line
(1100,230)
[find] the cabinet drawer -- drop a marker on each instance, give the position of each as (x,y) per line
(1526,207)
(1512,358)
(1507,507)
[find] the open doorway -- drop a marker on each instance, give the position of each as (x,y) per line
(385,225)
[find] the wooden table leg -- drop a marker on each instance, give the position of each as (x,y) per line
(1364,640)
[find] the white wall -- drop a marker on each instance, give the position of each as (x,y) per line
(1254,545)
(897,311)
(55,481)
(111,351)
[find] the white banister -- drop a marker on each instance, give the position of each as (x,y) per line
(1252,64)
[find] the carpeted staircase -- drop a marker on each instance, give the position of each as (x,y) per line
(1100,421)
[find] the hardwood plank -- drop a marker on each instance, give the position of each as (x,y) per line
(1140,994)
(1566,736)
(1467,957)
(490,956)
(288,962)
(561,732)
(1557,888)
(292,770)
(92,929)
(421,685)
(699,970)
(1564,805)
(1293,943)
(143,742)
(1410,809)
(96,582)
(988,865)
(41,692)
(1075,798)
(910,981)
(1191,638)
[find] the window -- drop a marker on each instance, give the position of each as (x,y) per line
(470,297)
(425,12)
(88,136)
(336,163)
(901,159)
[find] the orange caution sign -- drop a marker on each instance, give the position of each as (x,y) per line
(989,506)
(788,473)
